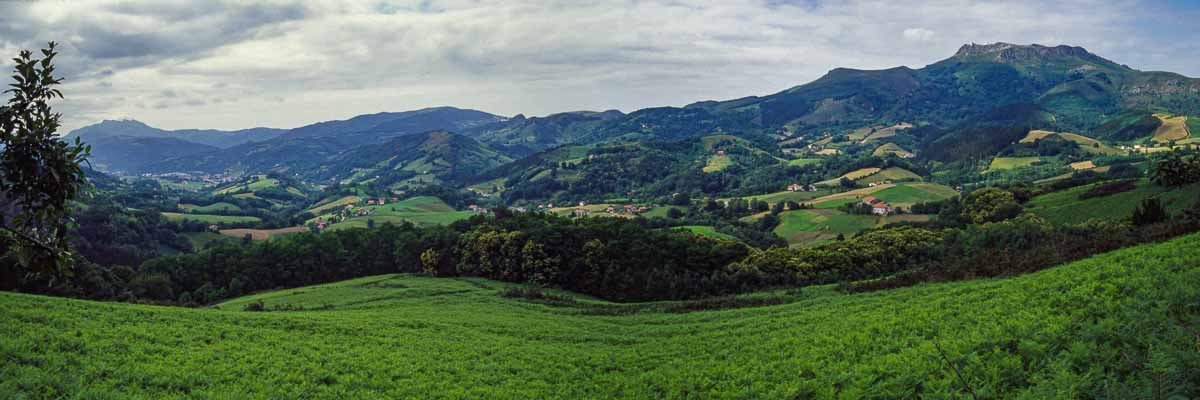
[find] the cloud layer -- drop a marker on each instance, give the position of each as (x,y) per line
(238,64)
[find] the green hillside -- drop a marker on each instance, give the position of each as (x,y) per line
(1066,207)
(1111,326)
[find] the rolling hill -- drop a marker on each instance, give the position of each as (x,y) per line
(1109,326)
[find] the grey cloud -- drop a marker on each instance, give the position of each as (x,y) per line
(286,64)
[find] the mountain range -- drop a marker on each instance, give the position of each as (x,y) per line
(967,105)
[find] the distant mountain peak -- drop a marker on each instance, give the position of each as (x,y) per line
(1011,53)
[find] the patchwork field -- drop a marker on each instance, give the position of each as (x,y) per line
(903,194)
(210,218)
(1076,331)
(1065,206)
(1172,128)
(1086,143)
(421,210)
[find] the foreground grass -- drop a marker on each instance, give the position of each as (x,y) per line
(1065,207)
(1121,325)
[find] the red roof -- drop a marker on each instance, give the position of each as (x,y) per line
(871,199)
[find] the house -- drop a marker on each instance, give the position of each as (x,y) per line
(720,152)
(795,187)
(349,207)
(872,184)
(381,201)
(610,210)
(473,207)
(582,203)
(810,188)
(579,212)
(371,202)
(871,200)
(320,224)
(642,209)
(214,228)
(630,209)
(881,208)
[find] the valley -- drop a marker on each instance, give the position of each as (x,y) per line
(1014,221)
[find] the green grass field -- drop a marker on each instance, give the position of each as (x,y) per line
(717,163)
(211,208)
(260,182)
(707,231)
(799,197)
(329,205)
(210,218)
(800,162)
(893,174)
(661,211)
(421,210)
(999,163)
(1114,326)
(904,194)
(802,227)
(1065,206)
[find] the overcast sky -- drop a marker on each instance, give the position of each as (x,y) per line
(239,64)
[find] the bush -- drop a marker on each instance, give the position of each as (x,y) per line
(1107,189)
(255,306)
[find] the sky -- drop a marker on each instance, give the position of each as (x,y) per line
(247,63)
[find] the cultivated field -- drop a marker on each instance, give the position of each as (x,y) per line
(891,148)
(211,208)
(893,174)
(1172,128)
(852,175)
(1110,326)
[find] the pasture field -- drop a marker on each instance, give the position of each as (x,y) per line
(799,197)
(800,162)
(262,234)
(260,182)
(1117,325)
(894,174)
(342,202)
(852,175)
(717,163)
(211,208)
(661,211)
(708,231)
(1085,143)
(902,194)
(1172,128)
(1065,207)
(799,227)
(999,163)
(420,210)
(210,218)
(891,148)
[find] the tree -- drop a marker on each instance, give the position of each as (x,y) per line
(674,213)
(990,205)
(1151,211)
(39,173)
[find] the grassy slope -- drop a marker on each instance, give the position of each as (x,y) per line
(209,218)
(891,174)
(800,162)
(326,206)
(708,231)
(421,210)
(1012,162)
(215,207)
(1060,333)
(1065,206)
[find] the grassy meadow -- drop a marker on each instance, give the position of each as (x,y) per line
(1113,326)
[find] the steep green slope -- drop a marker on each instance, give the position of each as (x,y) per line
(1120,325)
(434,156)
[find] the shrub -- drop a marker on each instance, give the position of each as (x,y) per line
(1107,189)
(255,306)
